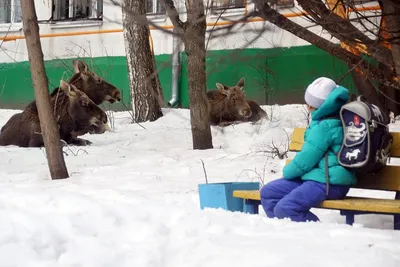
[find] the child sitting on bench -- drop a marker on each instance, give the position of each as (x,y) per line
(304,182)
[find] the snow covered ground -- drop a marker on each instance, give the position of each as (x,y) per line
(132,200)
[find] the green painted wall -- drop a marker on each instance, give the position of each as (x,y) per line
(16,88)
(276,75)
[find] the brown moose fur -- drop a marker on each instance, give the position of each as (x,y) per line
(72,107)
(96,88)
(228,105)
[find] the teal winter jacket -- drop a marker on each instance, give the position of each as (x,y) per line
(322,136)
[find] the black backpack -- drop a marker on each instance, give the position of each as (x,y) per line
(367,140)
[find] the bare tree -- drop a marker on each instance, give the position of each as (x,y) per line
(193,33)
(48,125)
(356,49)
(346,32)
(391,10)
(350,35)
(145,86)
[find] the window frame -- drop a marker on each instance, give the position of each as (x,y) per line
(93,20)
(156,17)
(285,4)
(280,4)
(12,26)
(215,12)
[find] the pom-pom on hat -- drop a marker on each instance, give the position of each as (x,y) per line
(318,91)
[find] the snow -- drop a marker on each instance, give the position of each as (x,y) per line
(132,200)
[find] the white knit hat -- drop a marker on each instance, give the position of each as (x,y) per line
(318,91)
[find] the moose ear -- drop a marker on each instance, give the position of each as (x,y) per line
(222,88)
(67,88)
(240,83)
(80,66)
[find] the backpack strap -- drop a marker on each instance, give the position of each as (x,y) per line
(337,117)
(326,173)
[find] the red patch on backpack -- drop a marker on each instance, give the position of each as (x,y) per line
(356,120)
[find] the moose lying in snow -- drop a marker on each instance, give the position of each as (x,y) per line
(73,108)
(96,88)
(228,106)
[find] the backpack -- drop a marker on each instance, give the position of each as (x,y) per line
(367,140)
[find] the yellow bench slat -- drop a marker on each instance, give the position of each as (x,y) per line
(387,179)
(364,204)
(395,150)
(349,203)
(298,140)
(247,194)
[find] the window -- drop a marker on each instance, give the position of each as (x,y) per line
(10,11)
(227,4)
(154,7)
(285,3)
(77,10)
(280,4)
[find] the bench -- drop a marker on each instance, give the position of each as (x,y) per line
(388,179)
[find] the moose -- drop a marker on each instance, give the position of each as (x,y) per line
(96,88)
(229,106)
(73,108)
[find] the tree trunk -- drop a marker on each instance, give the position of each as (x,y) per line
(194,40)
(391,11)
(365,87)
(155,76)
(389,95)
(49,129)
(144,84)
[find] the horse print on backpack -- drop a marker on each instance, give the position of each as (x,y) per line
(367,140)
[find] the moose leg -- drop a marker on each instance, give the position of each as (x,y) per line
(228,123)
(79,141)
(36,140)
(225,123)
(257,113)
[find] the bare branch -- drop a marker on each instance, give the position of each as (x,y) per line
(266,12)
(174,15)
(343,30)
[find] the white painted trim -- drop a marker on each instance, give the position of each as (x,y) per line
(231,12)
(14,27)
(75,24)
(157,18)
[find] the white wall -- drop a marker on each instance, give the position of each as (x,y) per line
(112,44)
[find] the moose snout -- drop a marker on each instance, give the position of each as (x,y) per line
(246,113)
(99,126)
(96,122)
(117,96)
(114,97)
(104,118)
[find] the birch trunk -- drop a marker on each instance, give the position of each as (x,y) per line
(144,84)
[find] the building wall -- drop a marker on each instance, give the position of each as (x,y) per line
(277,65)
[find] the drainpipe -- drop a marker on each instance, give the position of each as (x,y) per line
(176,70)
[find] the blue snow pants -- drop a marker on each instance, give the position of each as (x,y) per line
(283,198)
